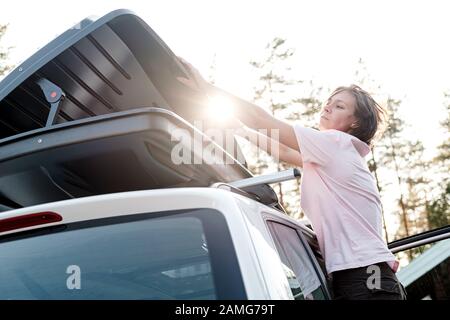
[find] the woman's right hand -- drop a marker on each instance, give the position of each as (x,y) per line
(195,80)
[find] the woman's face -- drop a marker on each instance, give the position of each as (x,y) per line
(338,112)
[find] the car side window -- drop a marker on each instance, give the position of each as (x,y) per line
(299,269)
(314,246)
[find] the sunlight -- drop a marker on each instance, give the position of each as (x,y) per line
(220,108)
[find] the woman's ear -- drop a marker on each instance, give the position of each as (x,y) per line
(354,125)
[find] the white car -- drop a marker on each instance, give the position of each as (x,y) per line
(180,243)
(92,205)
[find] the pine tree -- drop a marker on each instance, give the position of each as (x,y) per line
(388,148)
(363,79)
(372,164)
(417,182)
(273,92)
(309,106)
(212,70)
(404,158)
(306,111)
(439,207)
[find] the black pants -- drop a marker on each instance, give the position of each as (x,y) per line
(375,282)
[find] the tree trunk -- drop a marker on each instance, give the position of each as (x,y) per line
(379,188)
(402,203)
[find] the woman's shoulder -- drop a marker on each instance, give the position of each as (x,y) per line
(336,135)
(347,140)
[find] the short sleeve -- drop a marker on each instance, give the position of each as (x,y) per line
(316,146)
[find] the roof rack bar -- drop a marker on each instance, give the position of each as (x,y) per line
(280,176)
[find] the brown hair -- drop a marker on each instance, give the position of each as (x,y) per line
(369,114)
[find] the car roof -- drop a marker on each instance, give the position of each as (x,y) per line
(145,201)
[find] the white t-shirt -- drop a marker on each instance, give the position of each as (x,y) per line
(340,198)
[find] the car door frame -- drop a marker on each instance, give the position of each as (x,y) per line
(420,239)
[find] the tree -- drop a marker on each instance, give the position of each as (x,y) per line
(212,70)
(417,182)
(274,92)
(309,106)
(405,161)
(307,111)
(363,79)
(373,167)
(389,147)
(439,207)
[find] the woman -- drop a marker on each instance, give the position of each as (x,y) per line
(338,192)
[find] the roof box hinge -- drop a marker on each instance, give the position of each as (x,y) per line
(54,96)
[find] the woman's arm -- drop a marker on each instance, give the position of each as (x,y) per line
(250,114)
(257,118)
(274,148)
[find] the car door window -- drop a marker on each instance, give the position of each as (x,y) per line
(299,269)
(313,244)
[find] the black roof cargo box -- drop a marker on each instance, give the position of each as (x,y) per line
(92,112)
(105,65)
(128,150)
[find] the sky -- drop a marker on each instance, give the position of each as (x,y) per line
(404,44)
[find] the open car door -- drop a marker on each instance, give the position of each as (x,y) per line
(93,112)
(424,264)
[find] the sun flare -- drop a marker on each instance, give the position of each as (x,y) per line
(220,108)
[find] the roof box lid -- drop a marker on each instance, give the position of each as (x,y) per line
(101,65)
(104,68)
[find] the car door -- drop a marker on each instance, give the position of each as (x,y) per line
(424,264)
(299,263)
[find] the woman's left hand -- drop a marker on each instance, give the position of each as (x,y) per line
(195,80)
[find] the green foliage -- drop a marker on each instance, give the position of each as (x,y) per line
(279,93)
(443,157)
(404,158)
(212,70)
(438,208)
